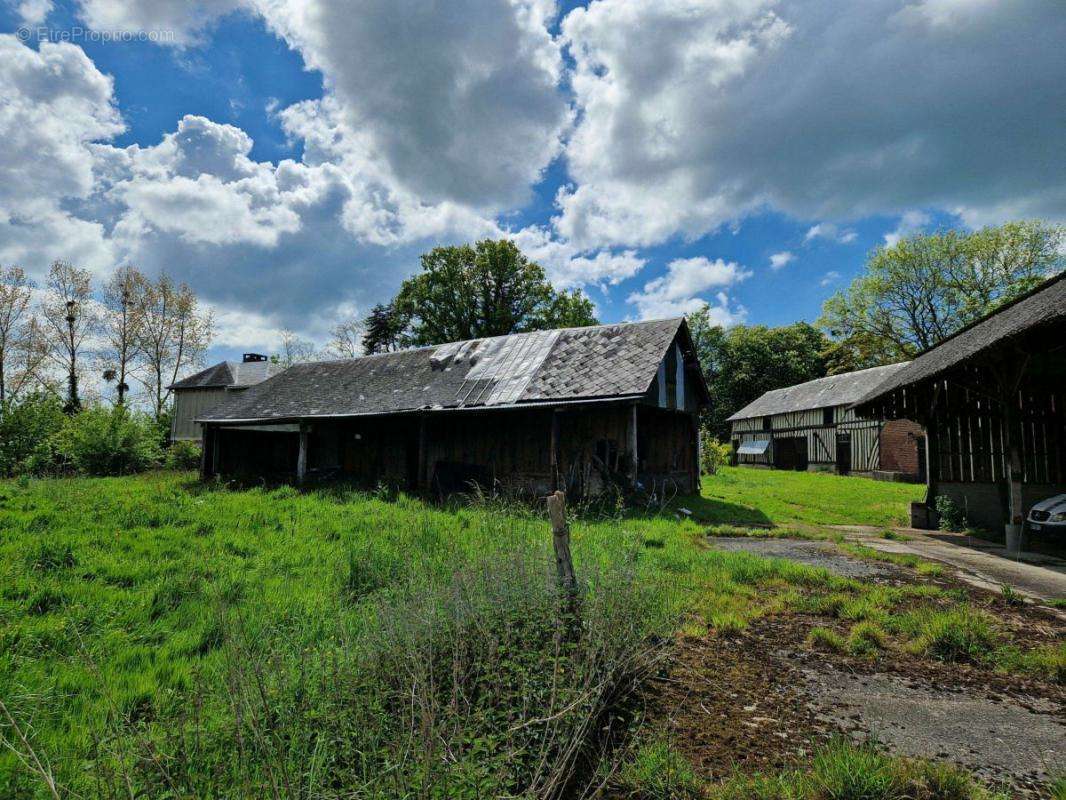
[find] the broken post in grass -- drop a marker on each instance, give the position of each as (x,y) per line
(564,565)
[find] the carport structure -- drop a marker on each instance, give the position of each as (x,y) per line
(991,399)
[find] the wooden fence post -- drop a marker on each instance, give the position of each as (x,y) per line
(561,541)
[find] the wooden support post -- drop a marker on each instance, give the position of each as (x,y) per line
(421,479)
(697,452)
(1015,538)
(553,450)
(216,446)
(208,435)
(564,565)
(634,459)
(301,459)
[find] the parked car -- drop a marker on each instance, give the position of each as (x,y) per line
(1048,516)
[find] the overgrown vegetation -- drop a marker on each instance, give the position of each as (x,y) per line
(197,641)
(950,517)
(38,438)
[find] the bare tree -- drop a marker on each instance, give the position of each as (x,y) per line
(15,292)
(172,334)
(70,320)
(294,350)
(123,315)
(347,339)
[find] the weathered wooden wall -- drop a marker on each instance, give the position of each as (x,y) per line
(188,405)
(509,449)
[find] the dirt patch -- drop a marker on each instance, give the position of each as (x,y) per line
(761,700)
(729,704)
(996,737)
(812,553)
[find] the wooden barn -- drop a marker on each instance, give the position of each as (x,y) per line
(992,398)
(578,408)
(196,395)
(811,426)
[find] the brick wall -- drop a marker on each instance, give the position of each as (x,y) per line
(899,446)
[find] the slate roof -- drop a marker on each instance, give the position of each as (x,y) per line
(835,390)
(567,365)
(1044,305)
(230,375)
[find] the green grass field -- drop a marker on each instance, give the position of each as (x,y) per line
(162,638)
(739,494)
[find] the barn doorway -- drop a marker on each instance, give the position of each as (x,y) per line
(844,453)
(790,453)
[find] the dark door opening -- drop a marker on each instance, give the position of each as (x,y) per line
(844,453)
(919,442)
(790,453)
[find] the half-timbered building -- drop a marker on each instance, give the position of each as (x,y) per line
(811,426)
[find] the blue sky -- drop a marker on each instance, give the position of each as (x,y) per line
(291,160)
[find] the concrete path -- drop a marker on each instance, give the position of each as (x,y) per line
(980,563)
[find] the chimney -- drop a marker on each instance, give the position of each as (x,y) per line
(253,357)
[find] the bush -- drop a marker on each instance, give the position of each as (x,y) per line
(26,430)
(950,515)
(103,441)
(479,683)
(714,454)
(183,455)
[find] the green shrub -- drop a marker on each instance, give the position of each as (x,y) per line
(952,518)
(183,454)
(108,441)
(713,454)
(26,430)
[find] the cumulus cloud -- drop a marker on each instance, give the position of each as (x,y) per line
(679,290)
(829,278)
(910,223)
(781,260)
(821,110)
(459,101)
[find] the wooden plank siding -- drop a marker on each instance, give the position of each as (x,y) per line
(190,404)
(821,439)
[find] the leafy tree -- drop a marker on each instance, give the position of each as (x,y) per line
(925,287)
(27,426)
(489,289)
(383,329)
(743,362)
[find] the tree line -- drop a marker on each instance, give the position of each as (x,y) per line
(911,295)
(135,330)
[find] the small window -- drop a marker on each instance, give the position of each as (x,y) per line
(827,416)
(766,423)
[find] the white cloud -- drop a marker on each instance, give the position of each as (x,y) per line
(830,231)
(678,290)
(830,278)
(456,101)
(910,223)
(820,110)
(781,260)
(33,12)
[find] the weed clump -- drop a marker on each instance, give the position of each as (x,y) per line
(844,771)
(959,635)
